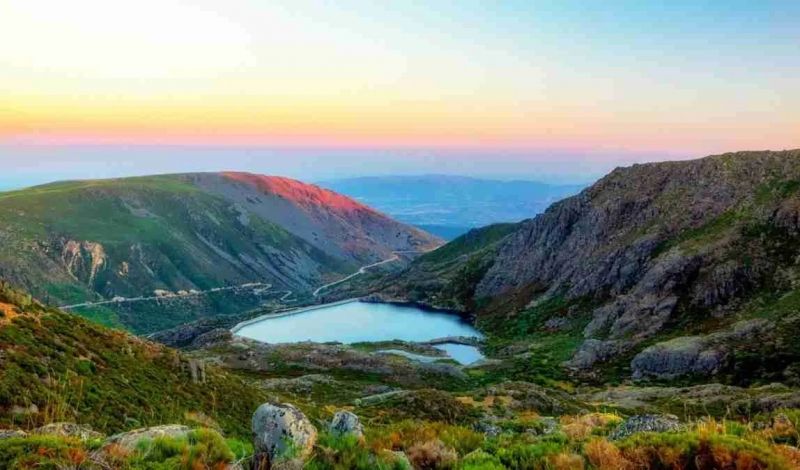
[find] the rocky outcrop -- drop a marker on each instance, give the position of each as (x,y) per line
(129,440)
(695,355)
(9,433)
(83,260)
(281,428)
(529,396)
(646,423)
(645,249)
(79,431)
(592,351)
(345,423)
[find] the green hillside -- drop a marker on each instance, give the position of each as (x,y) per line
(672,271)
(60,367)
(91,241)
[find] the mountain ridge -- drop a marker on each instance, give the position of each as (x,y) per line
(71,242)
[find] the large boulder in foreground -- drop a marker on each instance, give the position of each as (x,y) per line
(130,439)
(279,427)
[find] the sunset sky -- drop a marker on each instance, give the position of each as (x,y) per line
(563,90)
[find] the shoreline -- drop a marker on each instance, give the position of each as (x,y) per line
(297,311)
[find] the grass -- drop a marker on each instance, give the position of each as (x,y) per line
(474,240)
(201,449)
(70,369)
(169,234)
(695,237)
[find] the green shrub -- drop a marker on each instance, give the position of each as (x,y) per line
(42,452)
(202,448)
(529,456)
(334,452)
(480,460)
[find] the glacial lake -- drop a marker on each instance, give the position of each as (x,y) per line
(354,322)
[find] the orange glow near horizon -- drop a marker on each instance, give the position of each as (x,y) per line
(296,75)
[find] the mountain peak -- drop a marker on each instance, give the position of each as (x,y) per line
(303,194)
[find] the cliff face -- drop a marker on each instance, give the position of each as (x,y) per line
(655,249)
(602,241)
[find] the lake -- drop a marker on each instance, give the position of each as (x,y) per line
(355,322)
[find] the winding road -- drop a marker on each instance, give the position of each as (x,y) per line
(285,297)
(121,300)
(361,270)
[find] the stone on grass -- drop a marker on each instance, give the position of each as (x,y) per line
(282,431)
(130,439)
(346,423)
(646,423)
(9,433)
(79,431)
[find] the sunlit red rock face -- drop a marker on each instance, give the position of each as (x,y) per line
(336,224)
(304,195)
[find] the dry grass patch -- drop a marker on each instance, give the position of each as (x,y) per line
(580,427)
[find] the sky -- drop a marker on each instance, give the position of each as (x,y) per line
(560,90)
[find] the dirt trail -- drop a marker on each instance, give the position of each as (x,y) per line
(284,298)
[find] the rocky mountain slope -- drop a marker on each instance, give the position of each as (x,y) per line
(660,271)
(72,242)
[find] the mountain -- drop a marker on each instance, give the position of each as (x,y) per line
(451,205)
(657,271)
(176,237)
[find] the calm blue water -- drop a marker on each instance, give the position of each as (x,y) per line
(462,353)
(354,322)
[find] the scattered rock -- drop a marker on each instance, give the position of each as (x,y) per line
(345,422)
(549,425)
(376,389)
(291,464)
(278,426)
(380,398)
(304,384)
(9,433)
(646,423)
(593,351)
(79,431)
(211,338)
(130,439)
(24,410)
(488,428)
(696,355)
(529,396)
(688,355)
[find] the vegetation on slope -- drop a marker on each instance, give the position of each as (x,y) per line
(60,367)
(693,251)
(93,240)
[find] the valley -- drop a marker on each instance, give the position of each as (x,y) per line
(619,329)
(86,243)
(449,206)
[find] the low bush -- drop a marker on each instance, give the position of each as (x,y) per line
(335,452)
